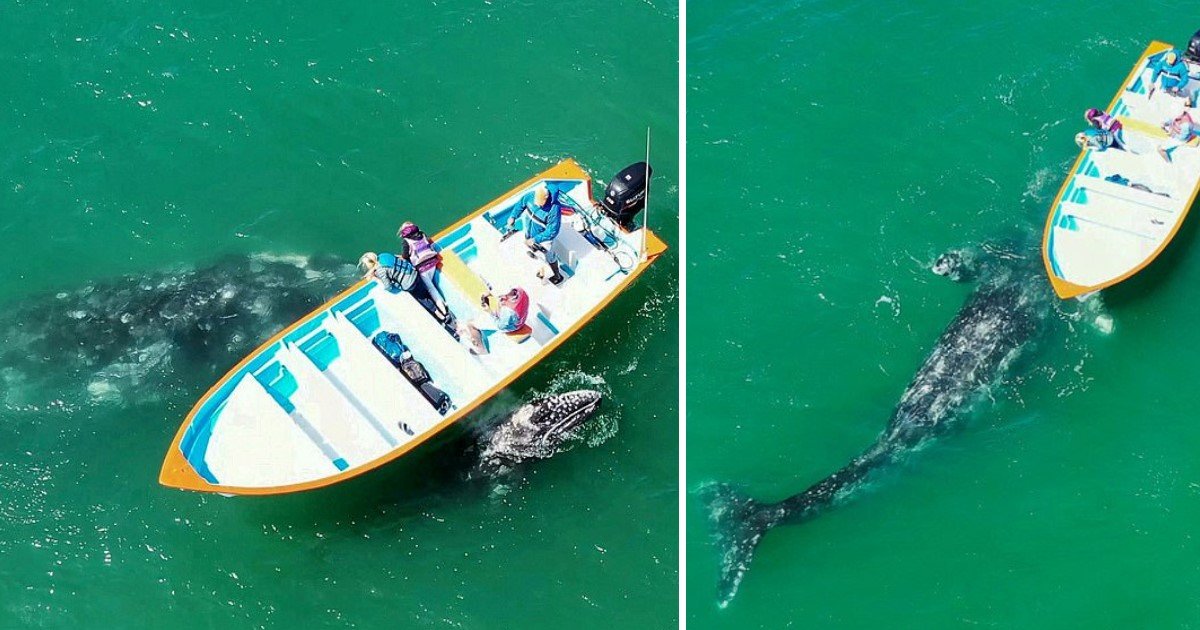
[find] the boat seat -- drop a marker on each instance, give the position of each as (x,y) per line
(1081,261)
(444,357)
(1153,110)
(1146,168)
(330,414)
(1125,193)
(389,399)
(249,418)
(540,324)
(1105,213)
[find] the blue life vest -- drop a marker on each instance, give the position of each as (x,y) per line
(396,271)
(1099,139)
(390,345)
(545,220)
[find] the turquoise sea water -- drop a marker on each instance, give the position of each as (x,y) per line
(147,139)
(835,149)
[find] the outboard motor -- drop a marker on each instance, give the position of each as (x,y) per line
(1192,53)
(626,194)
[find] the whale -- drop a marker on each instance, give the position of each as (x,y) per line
(999,320)
(138,337)
(536,430)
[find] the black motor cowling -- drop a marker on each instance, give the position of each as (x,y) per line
(626,194)
(1193,50)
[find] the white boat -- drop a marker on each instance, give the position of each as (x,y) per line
(320,403)
(1119,208)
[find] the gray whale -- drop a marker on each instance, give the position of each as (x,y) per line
(1000,318)
(134,338)
(536,430)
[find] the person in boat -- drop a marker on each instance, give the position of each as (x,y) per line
(1104,132)
(423,255)
(1102,120)
(1096,140)
(507,314)
(1181,131)
(1170,72)
(545,210)
(392,270)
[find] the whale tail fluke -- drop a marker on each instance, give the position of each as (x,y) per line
(739,523)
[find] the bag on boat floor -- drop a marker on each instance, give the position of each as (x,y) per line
(390,345)
(436,397)
(397,354)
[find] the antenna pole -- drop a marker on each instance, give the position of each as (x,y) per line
(646,201)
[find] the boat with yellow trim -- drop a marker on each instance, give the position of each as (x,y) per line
(1123,203)
(323,400)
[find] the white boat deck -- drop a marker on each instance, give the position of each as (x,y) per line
(322,399)
(1100,232)
(249,420)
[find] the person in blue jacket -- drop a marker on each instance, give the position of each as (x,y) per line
(1170,72)
(544,210)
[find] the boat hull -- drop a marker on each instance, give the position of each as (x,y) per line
(1118,209)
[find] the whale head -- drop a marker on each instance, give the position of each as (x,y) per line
(557,415)
(538,429)
(955,264)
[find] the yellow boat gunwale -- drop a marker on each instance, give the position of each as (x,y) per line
(177,472)
(1064,288)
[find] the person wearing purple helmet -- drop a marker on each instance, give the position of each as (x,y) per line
(1106,131)
(423,255)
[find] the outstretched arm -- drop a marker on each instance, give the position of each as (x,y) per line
(516,213)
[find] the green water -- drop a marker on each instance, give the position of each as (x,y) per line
(835,149)
(140,136)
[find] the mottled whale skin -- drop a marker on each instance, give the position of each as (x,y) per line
(130,339)
(973,353)
(536,430)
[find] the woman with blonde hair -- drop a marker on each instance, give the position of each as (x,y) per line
(390,269)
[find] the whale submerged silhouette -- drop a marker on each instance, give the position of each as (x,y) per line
(126,339)
(997,322)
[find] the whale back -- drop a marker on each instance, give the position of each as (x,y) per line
(997,321)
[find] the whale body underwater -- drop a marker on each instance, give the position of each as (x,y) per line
(999,319)
(135,338)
